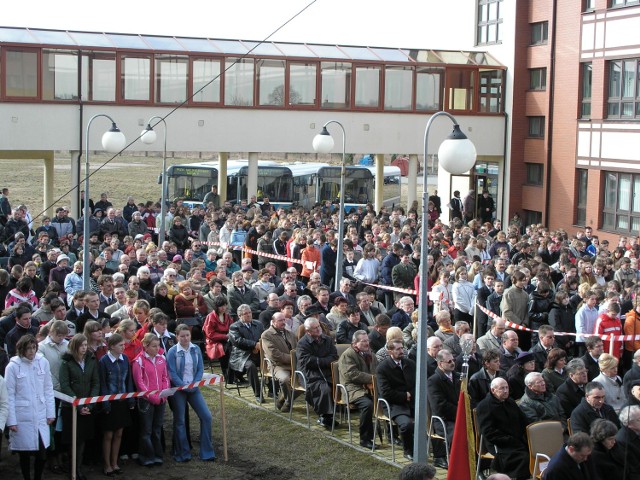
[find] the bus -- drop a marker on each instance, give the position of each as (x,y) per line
(191,182)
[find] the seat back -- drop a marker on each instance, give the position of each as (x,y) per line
(265,365)
(341,347)
(295,375)
(335,382)
(544,438)
(481,449)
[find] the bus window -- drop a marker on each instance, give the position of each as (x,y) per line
(190,184)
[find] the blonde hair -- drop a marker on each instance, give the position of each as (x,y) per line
(148,338)
(394,333)
(607,361)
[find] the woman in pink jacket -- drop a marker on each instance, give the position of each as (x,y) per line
(150,373)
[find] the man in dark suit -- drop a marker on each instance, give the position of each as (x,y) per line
(571,392)
(378,334)
(240,294)
(503,426)
(480,382)
(595,347)
(628,442)
(396,377)
(546,341)
(434,345)
(572,461)
(368,313)
(444,390)
(244,336)
(315,353)
(345,289)
(591,408)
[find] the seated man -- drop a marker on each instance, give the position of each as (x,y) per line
(357,366)
(347,328)
(595,347)
(444,390)
(493,338)
(628,441)
(573,460)
(509,351)
(244,336)
(572,390)
(503,426)
(480,382)
(592,407)
(378,334)
(453,343)
(277,343)
(315,353)
(397,385)
(537,404)
(546,341)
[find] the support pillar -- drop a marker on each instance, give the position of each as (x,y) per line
(222,176)
(412,180)
(252,180)
(379,193)
(48,159)
(75,182)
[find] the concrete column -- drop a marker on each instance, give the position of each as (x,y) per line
(48,159)
(222,176)
(412,183)
(252,180)
(75,181)
(379,181)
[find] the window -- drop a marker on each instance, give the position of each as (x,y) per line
(535,172)
(367,87)
(429,89)
(98,82)
(623,3)
(59,75)
(624,89)
(539,33)
(135,78)
(460,87)
(21,73)
(206,80)
(270,77)
(537,79)
(582,178)
(171,78)
(589,5)
(621,202)
(398,87)
(536,127)
(531,217)
(489,22)
(587,75)
(238,82)
(336,84)
(302,83)
(491,91)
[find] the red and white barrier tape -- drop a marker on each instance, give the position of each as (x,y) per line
(212,379)
(408,291)
(607,337)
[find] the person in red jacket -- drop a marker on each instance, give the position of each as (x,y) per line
(609,324)
(216,332)
(150,373)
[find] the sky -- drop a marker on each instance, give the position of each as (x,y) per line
(347,22)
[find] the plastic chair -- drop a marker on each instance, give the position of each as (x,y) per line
(545,439)
(431,433)
(341,347)
(298,384)
(379,406)
(340,397)
(266,373)
(481,449)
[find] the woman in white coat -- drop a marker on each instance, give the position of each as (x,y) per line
(31,405)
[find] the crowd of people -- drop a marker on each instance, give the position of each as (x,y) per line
(232,282)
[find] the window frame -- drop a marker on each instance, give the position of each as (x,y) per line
(192,78)
(38,64)
(535,174)
(538,132)
(484,33)
(544,33)
(614,212)
(582,186)
(538,79)
(120,75)
(620,101)
(586,70)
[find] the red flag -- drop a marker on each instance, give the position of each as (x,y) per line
(462,458)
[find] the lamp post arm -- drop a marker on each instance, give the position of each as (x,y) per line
(343,174)
(163,195)
(86,231)
(420,443)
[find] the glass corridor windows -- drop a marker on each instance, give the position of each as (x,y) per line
(336,85)
(21,73)
(270,77)
(398,88)
(206,80)
(367,87)
(135,78)
(429,89)
(171,78)
(302,84)
(98,79)
(59,75)
(238,82)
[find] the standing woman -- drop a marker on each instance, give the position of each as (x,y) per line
(113,369)
(95,340)
(31,405)
(150,373)
(463,297)
(132,346)
(79,378)
(311,260)
(186,366)
(190,307)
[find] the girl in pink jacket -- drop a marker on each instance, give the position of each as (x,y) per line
(150,373)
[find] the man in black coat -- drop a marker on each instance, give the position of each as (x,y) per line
(503,426)
(595,347)
(628,442)
(240,294)
(546,341)
(315,352)
(571,392)
(573,461)
(396,377)
(444,390)
(633,375)
(480,382)
(244,336)
(378,334)
(591,408)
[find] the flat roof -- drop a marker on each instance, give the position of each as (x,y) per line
(104,40)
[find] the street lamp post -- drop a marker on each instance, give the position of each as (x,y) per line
(113,141)
(148,136)
(456,155)
(323,143)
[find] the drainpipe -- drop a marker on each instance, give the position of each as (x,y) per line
(552,76)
